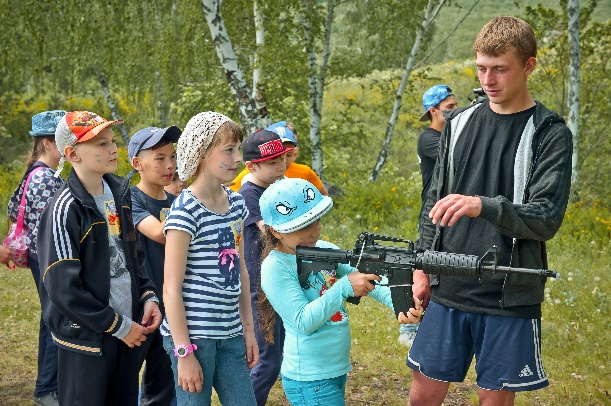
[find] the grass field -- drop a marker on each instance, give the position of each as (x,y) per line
(576,327)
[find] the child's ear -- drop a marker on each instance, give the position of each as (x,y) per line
(71,155)
(136,163)
(276,234)
(249,165)
(49,144)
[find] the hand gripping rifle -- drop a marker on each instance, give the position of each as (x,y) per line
(398,263)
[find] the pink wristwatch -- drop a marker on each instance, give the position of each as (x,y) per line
(182,350)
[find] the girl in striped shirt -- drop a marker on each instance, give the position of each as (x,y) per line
(208,330)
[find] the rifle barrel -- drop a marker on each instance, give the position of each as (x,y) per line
(444,263)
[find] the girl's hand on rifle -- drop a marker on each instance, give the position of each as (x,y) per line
(414,314)
(362,282)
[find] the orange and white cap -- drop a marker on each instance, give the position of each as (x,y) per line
(78,126)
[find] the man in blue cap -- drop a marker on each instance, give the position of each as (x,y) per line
(435,100)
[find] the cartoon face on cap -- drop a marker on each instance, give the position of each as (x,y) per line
(291,204)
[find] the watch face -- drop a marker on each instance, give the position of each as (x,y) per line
(182,352)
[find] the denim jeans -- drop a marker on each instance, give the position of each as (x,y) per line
(224,367)
(325,392)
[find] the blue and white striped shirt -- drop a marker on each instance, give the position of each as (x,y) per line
(212,277)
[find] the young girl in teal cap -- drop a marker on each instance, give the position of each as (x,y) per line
(316,354)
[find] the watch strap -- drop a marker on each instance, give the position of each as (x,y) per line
(182,350)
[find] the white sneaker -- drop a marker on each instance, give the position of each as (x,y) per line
(407,339)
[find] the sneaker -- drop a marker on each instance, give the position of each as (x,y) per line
(50,399)
(407,339)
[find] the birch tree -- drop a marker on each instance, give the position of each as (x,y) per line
(432,10)
(552,80)
(114,112)
(247,106)
(258,93)
(574,85)
(317,76)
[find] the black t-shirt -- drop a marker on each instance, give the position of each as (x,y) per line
(252,234)
(428,148)
(484,159)
(151,254)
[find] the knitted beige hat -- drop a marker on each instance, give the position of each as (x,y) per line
(194,141)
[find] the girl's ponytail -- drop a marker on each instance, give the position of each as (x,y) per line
(267,312)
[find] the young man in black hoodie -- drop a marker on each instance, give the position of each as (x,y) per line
(502,178)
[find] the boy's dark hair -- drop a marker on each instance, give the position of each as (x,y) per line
(504,33)
(162,143)
(267,312)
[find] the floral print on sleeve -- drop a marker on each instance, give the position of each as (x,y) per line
(41,189)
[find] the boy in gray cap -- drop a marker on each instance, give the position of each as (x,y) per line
(151,153)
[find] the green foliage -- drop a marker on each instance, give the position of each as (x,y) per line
(374,35)
(388,207)
(549,83)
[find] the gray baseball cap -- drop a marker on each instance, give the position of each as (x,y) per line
(149,137)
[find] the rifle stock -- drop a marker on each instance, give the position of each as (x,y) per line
(397,264)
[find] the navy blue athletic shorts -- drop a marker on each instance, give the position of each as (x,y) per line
(507,349)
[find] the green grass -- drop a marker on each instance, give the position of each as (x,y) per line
(576,326)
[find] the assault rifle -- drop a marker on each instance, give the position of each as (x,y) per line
(397,264)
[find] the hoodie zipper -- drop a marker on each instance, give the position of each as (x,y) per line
(526,194)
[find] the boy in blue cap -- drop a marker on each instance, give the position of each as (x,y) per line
(151,153)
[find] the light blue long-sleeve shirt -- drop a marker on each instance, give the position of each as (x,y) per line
(317,343)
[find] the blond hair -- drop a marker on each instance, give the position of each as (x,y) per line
(504,34)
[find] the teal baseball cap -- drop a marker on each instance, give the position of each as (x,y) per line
(291,204)
(432,97)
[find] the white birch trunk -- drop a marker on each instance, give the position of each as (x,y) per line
(224,49)
(113,108)
(574,84)
(430,14)
(258,93)
(316,83)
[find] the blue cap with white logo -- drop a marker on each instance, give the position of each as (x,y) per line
(285,130)
(433,97)
(291,204)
